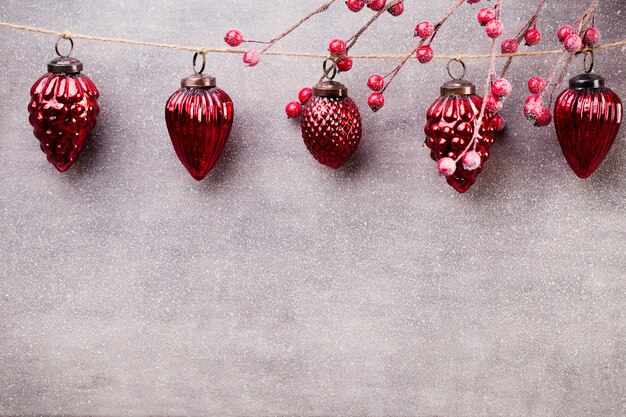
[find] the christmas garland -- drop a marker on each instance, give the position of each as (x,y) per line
(460,126)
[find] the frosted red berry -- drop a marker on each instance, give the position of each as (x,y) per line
(376,82)
(498,123)
(355,5)
(592,36)
(446,166)
(337,47)
(471,160)
(533,106)
(494,28)
(377,5)
(344,64)
(501,87)
(544,118)
(473,1)
(509,46)
(424,29)
(485,16)
(564,32)
(494,104)
(573,43)
(305,94)
(396,9)
(424,54)
(536,85)
(376,101)
(293,109)
(251,58)
(233,37)
(532,37)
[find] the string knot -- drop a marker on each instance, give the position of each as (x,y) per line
(65,35)
(203,51)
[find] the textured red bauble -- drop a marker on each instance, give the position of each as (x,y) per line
(449,129)
(587,117)
(199,118)
(63,111)
(331,124)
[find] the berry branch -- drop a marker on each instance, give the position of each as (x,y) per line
(424,53)
(339,49)
(234,37)
(580,40)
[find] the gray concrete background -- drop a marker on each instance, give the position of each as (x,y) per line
(278,287)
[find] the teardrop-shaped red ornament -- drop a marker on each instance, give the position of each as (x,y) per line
(63,110)
(199,118)
(331,124)
(450,128)
(587,117)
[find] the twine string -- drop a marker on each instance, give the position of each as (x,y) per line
(465,57)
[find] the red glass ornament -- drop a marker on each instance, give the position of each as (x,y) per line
(450,128)
(199,118)
(331,124)
(587,117)
(63,111)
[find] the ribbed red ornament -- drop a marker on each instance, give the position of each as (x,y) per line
(450,127)
(199,119)
(587,117)
(331,124)
(63,111)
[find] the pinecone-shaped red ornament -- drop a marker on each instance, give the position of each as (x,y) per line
(63,111)
(450,129)
(331,124)
(587,117)
(199,119)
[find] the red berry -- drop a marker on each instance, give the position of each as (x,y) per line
(536,85)
(424,54)
(485,16)
(446,166)
(377,5)
(355,5)
(305,94)
(251,58)
(534,106)
(498,123)
(494,28)
(473,1)
(509,46)
(337,47)
(573,43)
(532,37)
(293,109)
(424,29)
(396,9)
(471,160)
(376,101)
(544,118)
(501,87)
(592,36)
(376,82)
(564,32)
(233,38)
(494,104)
(344,64)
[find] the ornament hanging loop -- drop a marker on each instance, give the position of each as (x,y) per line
(195,59)
(449,69)
(58,44)
(588,61)
(329,73)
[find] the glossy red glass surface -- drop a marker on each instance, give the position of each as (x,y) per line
(587,122)
(63,111)
(450,128)
(199,121)
(331,129)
